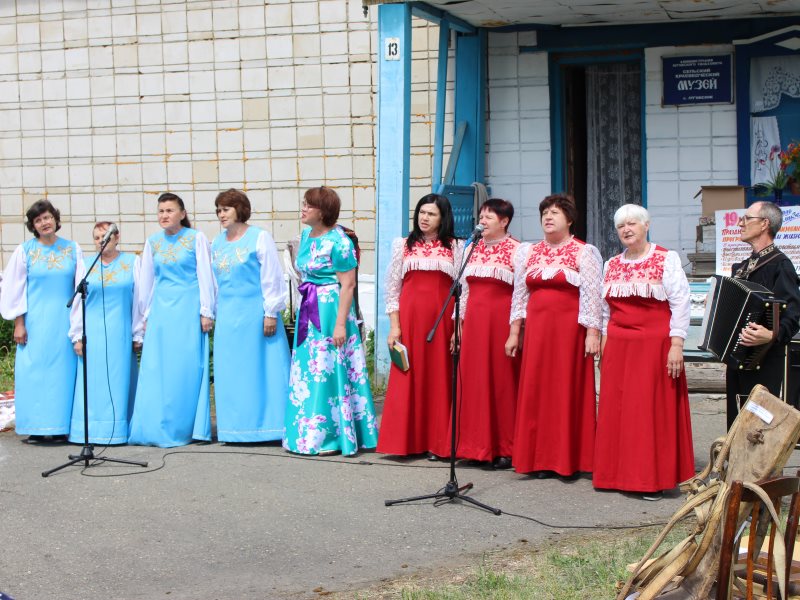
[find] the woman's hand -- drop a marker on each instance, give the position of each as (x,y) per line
(394,336)
(206,324)
(270,326)
(137,346)
(78,348)
(675,359)
(512,344)
(592,343)
(339,335)
(20,332)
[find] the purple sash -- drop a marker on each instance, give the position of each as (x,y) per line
(309,310)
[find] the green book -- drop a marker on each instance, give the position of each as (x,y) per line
(399,355)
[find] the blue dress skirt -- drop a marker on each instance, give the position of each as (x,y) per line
(111,365)
(172,393)
(44,370)
(251,371)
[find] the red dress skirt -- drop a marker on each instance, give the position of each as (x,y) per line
(556,402)
(487,377)
(416,411)
(644,427)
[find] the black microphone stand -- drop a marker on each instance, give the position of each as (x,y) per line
(87,452)
(451,491)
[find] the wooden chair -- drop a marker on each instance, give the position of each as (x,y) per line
(757,566)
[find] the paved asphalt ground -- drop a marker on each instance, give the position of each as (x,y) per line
(250,521)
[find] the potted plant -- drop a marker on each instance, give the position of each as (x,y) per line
(778,176)
(790,164)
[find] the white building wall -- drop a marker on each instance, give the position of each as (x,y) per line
(686,146)
(518,129)
(104,104)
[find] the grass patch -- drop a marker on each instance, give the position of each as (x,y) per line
(6,368)
(576,568)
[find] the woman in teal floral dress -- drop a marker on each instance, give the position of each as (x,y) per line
(330,403)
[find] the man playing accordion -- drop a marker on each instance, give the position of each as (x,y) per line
(770,267)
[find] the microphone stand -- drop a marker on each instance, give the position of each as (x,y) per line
(451,491)
(87,452)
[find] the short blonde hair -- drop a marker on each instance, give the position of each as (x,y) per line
(631,211)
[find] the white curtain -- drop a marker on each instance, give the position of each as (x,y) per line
(770,78)
(614,148)
(764,136)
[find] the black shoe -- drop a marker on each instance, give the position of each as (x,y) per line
(653,496)
(502,462)
(432,457)
(543,474)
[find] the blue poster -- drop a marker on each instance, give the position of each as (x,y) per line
(697,80)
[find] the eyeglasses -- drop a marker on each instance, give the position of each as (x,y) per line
(745,218)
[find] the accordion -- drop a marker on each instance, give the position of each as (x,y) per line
(732,304)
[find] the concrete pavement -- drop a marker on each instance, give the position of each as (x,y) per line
(236,522)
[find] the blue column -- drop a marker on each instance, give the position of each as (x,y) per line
(470,106)
(394,151)
(441,100)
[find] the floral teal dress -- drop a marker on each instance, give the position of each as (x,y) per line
(330,403)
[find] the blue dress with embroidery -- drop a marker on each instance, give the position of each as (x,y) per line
(251,371)
(111,366)
(330,403)
(172,393)
(44,370)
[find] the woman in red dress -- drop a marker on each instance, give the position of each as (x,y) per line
(416,410)
(557,292)
(489,365)
(644,428)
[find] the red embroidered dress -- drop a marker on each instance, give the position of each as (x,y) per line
(557,291)
(488,378)
(416,411)
(644,429)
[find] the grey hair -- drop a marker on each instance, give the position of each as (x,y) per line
(627,212)
(772,213)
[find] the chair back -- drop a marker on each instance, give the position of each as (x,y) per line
(756,572)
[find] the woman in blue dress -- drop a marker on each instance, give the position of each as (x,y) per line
(113,327)
(176,299)
(37,284)
(330,403)
(251,355)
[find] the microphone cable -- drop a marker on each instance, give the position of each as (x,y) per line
(360,462)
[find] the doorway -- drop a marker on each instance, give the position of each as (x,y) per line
(600,158)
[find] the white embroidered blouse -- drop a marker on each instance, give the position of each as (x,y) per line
(493,260)
(659,275)
(581,265)
(426,255)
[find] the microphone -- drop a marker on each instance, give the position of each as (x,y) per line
(111,231)
(476,234)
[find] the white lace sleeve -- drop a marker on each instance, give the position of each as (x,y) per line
(205,276)
(137,327)
(273,284)
(677,288)
(520,296)
(75,314)
(606,309)
(144,292)
(394,277)
(590,303)
(14,293)
(464,285)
